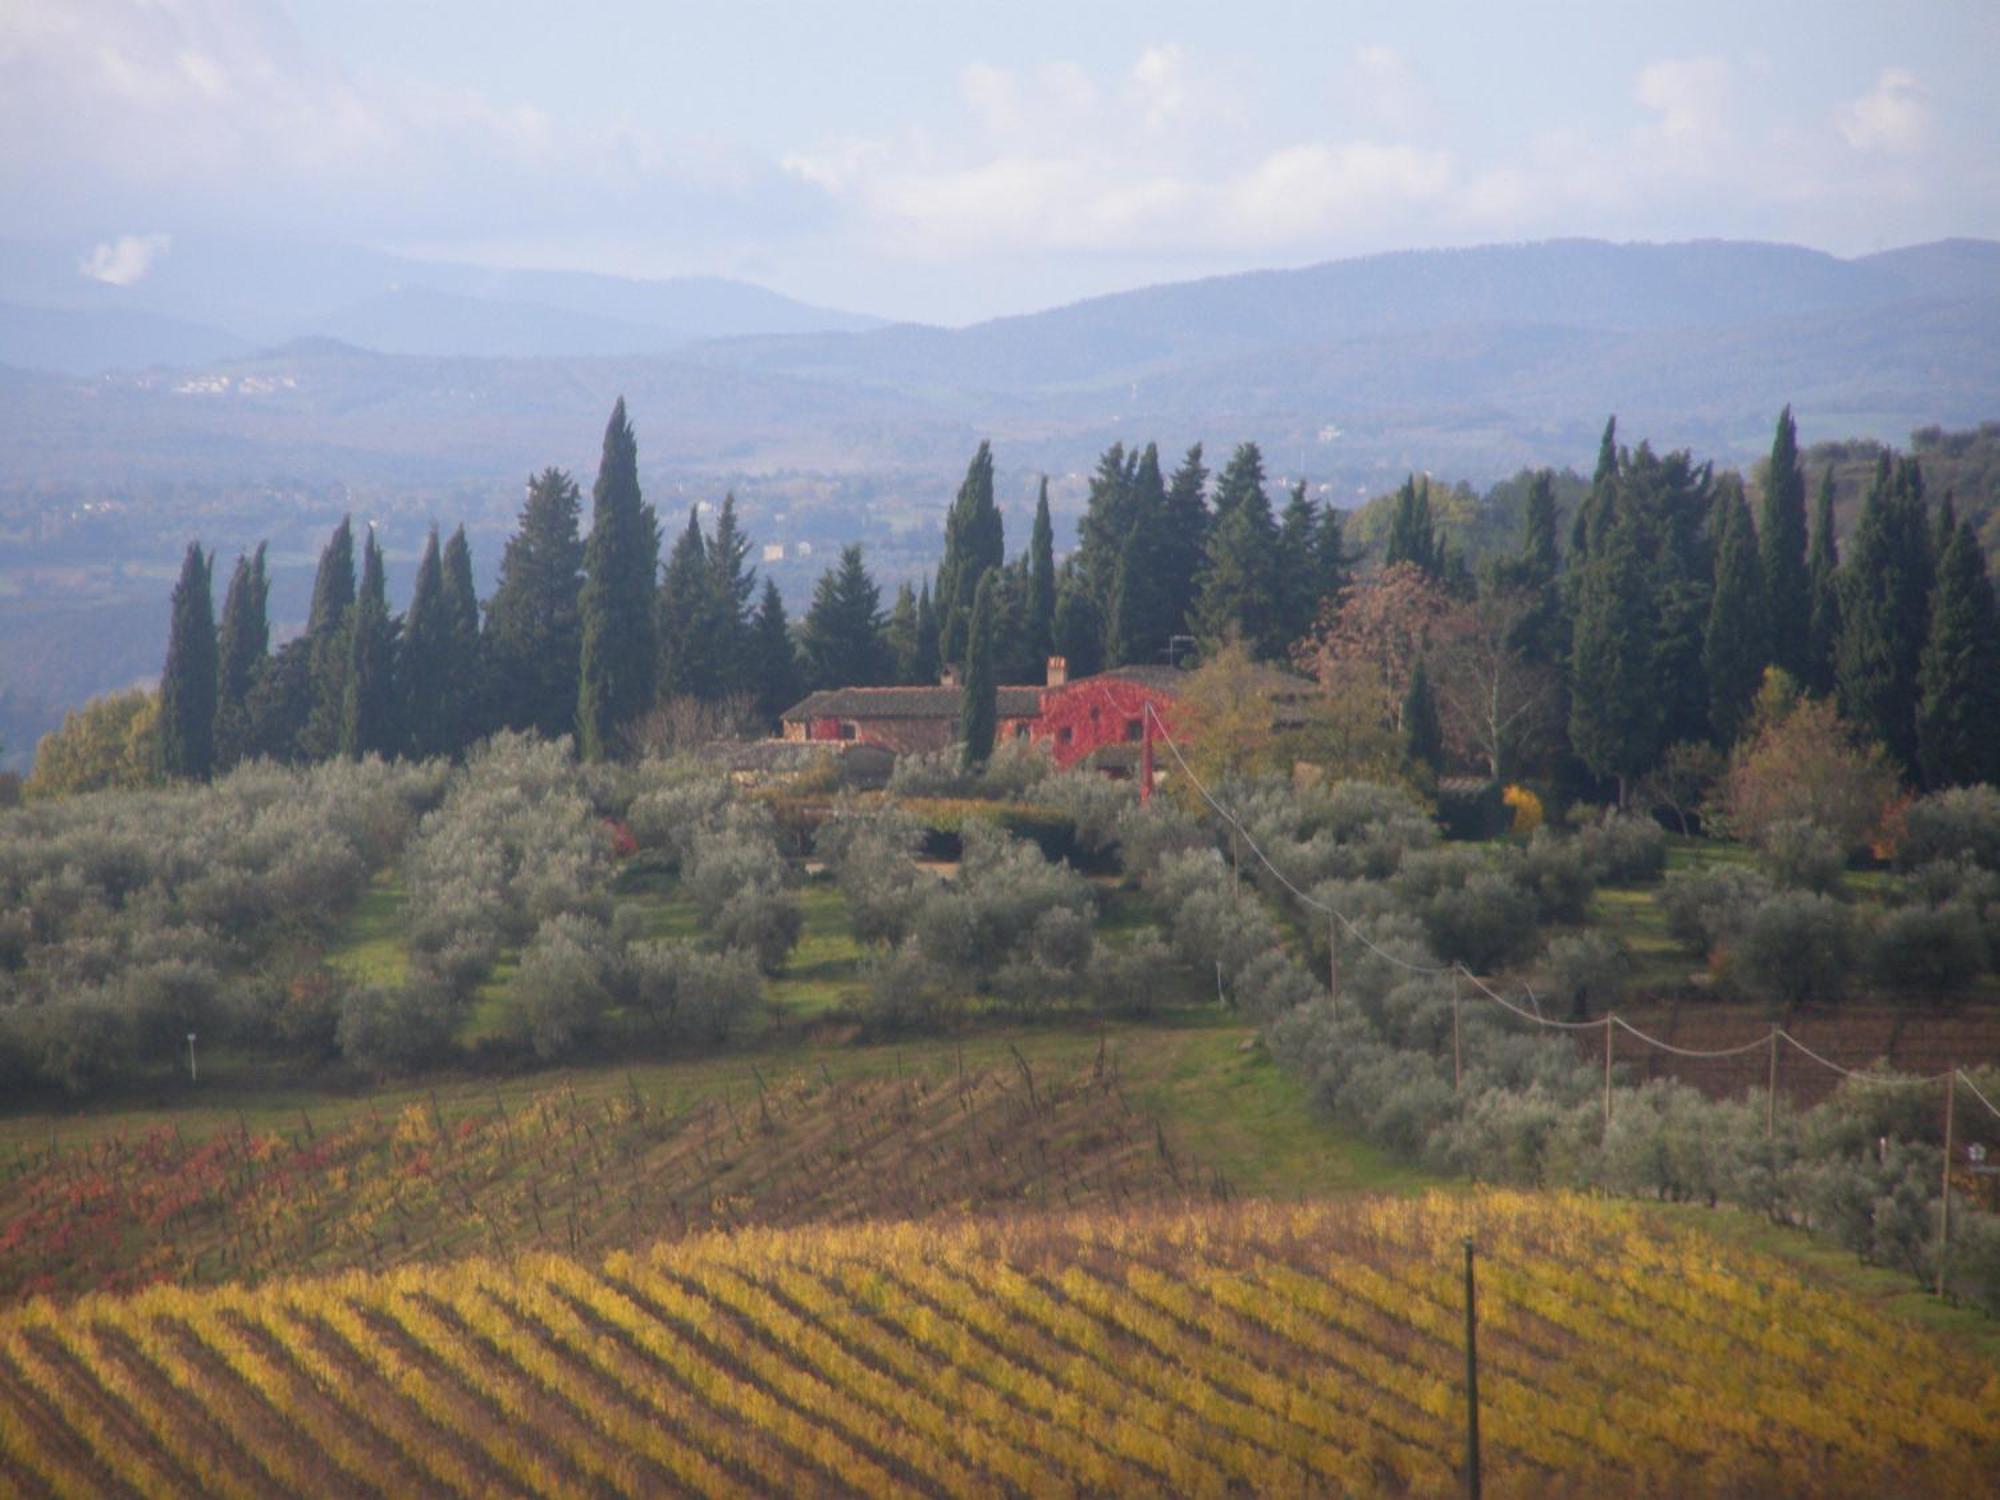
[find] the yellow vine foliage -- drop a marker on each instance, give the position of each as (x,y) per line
(1249,1348)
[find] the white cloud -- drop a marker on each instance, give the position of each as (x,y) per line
(1692,99)
(1893,116)
(125,260)
(1385,92)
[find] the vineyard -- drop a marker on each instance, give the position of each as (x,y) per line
(1250,1346)
(577,1173)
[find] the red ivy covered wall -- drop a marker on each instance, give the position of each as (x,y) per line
(1096,712)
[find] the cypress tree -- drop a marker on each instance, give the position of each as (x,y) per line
(735,581)
(1133,635)
(1823,575)
(1958,710)
(1042,578)
(978,714)
(465,661)
(242,647)
(1539,557)
(188,681)
(534,631)
(1423,734)
(842,631)
(901,634)
(1240,576)
(281,700)
(974,541)
(692,638)
(1412,536)
(1079,628)
(1332,565)
(425,670)
(926,669)
(1184,538)
(368,708)
(1586,528)
(619,656)
(776,658)
(1884,620)
(1734,653)
(318,737)
(1781,553)
(1615,710)
(1298,585)
(1108,517)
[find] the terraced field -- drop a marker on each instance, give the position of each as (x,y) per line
(1223,1349)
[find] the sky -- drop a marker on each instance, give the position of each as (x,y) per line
(954,161)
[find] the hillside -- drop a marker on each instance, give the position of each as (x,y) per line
(1273,1349)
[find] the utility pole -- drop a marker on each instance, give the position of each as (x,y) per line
(1607,1072)
(192,1078)
(1471,1381)
(1457,1064)
(1771,1101)
(1944,1202)
(1333,961)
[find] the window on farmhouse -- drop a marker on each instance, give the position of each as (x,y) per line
(849,729)
(1064,735)
(1134,730)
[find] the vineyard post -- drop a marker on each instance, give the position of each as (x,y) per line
(1457,1064)
(1607,1072)
(1333,961)
(1944,1202)
(1471,1381)
(1771,1098)
(192,1076)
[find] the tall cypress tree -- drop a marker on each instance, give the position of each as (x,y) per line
(1734,652)
(978,715)
(534,629)
(1413,536)
(1423,734)
(1108,515)
(466,674)
(1299,585)
(368,707)
(1133,634)
(926,670)
(1781,553)
(974,542)
(1823,583)
(1884,620)
(775,657)
(1240,576)
(1539,556)
(1079,627)
(842,631)
(1615,711)
(735,582)
(901,635)
(318,737)
(187,682)
(242,646)
(1958,708)
(1042,578)
(1586,527)
(425,669)
(619,656)
(690,614)
(1184,530)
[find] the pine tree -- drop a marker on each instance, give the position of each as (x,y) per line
(242,647)
(1108,517)
(1239,579)
(465,669)
(619,656)
(1184,538)
(424,665)
(1423,734)
(735,581)
(974,541)
(1412,535)
(1823,574)
(534,631)
(1042,578)
(1332,564)
(690,619)
(978,715)
(1884,619)
(188,681)
(1615,711)
(1958,710)
(842,631)
(1299,586)
(1734,653)
(1781,553)
(318,737)
(368,707)
(927,666)
(776,658)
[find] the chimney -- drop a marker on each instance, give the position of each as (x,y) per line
(949,676)
(1058,671)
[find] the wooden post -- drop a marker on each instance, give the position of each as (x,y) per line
(1944,1203)
(1457,1061)
(1607,1071)
(1333,961)
(1771,1102)
(1235,868)
(1471,1381)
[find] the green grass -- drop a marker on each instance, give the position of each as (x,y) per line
(824,970)
(370,949)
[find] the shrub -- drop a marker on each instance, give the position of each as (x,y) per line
(1801,856)
(1553,871)
(1062,939)
(1705,909)
(395,1030)
(1129,978)
(1927,952)
(1795,949)
(1961,823)
(1271,984)
(557,994)
(1473,810)
(763,922)
(1622,849)
(904,989)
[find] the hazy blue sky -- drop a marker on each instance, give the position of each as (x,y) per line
(951,161)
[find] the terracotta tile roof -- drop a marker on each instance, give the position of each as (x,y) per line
(907,703)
